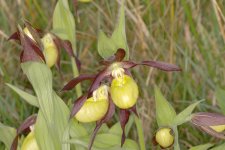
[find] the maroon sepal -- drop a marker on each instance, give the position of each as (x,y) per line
(161,65)
(26,124)
(124,117)
(72,83)
(15,36)
(31,51)
(67,46)
(118,56)
(107,117)
(155,64)
(134,110)
(104,74)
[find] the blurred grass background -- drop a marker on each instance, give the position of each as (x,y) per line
(189,33)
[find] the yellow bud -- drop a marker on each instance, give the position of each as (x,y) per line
(29,142)
(164,137)
(218,128)
(50,50)
(27,32)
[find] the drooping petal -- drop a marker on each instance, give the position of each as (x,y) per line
(155,64)
(72,83)
(26,124)
(98,79)
(67,46)
(161,65)
(124,117)
(107,117)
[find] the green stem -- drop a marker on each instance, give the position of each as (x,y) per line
(140,132)
(75,74)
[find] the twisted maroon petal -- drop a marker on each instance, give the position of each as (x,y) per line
(124,117)
(72,83)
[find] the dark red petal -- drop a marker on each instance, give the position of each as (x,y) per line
(14,36)
(28,52)
(120,54)
(64,44)
(26,124)
(72,83)
(208,119)
(134,110)
(98,79)
(107,117)
(161,65)
(128,64)
(31,51)
(124,117)
(77,105)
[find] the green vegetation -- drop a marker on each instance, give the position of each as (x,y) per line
(190,34)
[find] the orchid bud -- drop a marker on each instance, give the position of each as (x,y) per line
(211,123)
(164,137)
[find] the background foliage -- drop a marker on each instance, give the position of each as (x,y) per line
(189,33)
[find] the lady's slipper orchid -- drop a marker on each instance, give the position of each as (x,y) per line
(123,90)
(37,47)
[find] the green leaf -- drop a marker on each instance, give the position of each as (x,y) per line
(108,46)
(64,23)
(7,135)
(53,115)
(220,147)
(26,96)
(184,116)
(203,147)
(106,141)
(220,96)
(165,113)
